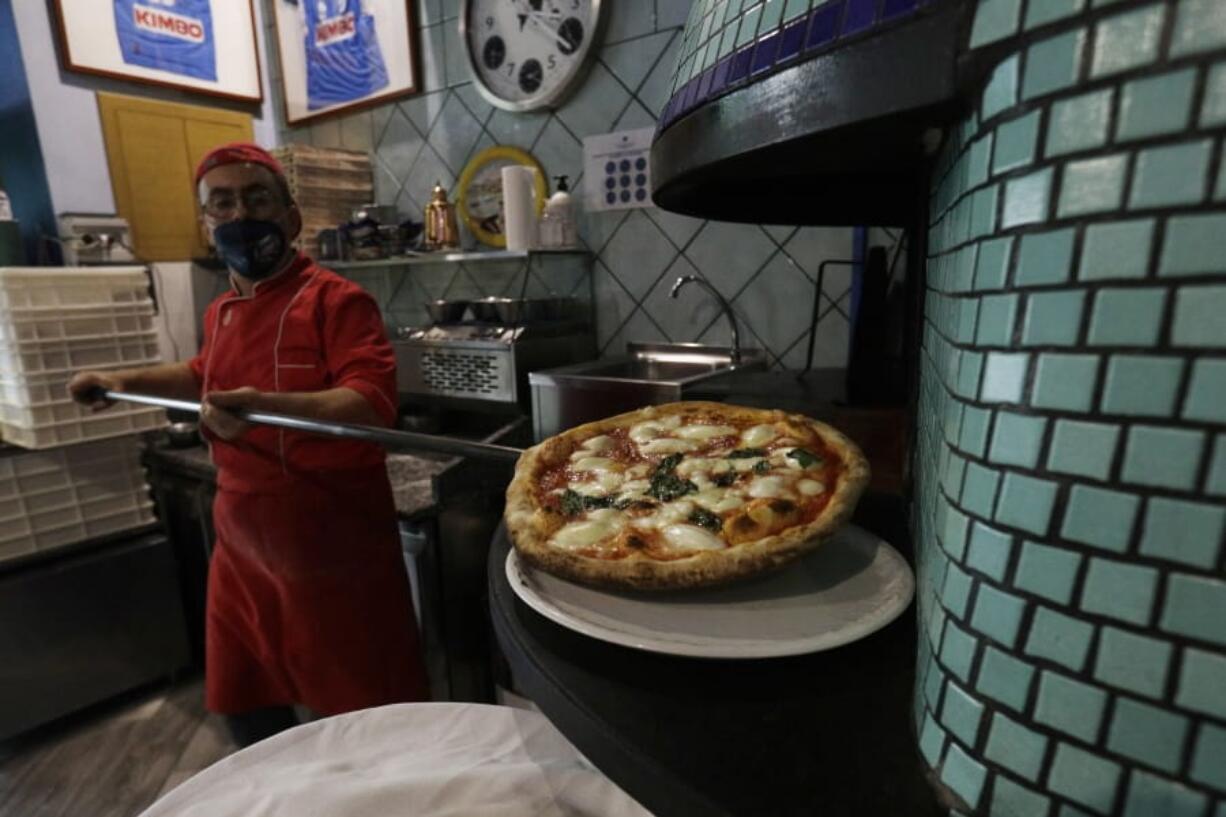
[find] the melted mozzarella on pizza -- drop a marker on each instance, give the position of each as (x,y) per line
(728,496)
(599,527)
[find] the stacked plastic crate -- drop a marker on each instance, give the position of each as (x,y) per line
(53,323)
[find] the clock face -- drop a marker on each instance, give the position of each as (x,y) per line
(529,54)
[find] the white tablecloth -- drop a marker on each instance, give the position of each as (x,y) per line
(436,759)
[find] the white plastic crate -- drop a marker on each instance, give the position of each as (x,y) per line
(65,495)
(73,323)
(100,426)
(40,389)
(33,357)
(71,286)
(60,411)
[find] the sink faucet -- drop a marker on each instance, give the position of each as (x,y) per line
(702,282)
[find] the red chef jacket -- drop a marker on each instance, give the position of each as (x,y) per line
(308,600)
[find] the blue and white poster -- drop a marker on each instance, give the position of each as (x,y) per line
(169,35)
(336,54)
(200,45)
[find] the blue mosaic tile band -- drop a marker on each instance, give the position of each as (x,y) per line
(729,43)
(1071,464)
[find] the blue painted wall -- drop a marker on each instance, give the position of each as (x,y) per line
(22,172)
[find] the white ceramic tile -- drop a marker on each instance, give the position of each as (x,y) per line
(475,103)
(729,254)
(423,109)
(428,170)
(635,116)
(457,68)
(519,129)
(630,18)
(637,253)
(677,227)
(612,303)
(688,315)
(633,60)
(400,146)
(454,134)
(387,186)
(559,152)
(776,299)
(597,104)
(654,91)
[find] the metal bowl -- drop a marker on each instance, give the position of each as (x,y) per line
(183,435)
(446,311)
(486,309)
(523,310)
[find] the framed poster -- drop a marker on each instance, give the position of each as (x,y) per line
(207,46)
(338,55)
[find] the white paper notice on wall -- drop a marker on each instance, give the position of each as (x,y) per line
(617,169)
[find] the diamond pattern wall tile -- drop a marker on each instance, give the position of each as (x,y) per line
(560,153)
(631,18)
(433,57)
(400,146)
(638,253)
(830,346)
(521,130)
(810,246)
(633,60)
(680,229)
(326,133)
(653,92)
(475,103)
(730,254)
(357,131)
(379,118)
(596,228)
(423,109)
(456,67)
(775,298)
(640,328)
(387,186)
(454,133)
(596,106)
(687,316)
(429,12)
(634,117)
(428,170)
(613,306)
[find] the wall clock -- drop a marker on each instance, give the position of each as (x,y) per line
(529,54)
(479,195)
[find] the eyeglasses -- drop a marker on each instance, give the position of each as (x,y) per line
(257,200)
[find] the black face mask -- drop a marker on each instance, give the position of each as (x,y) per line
(251,248)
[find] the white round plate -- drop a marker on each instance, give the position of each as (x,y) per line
(850,587)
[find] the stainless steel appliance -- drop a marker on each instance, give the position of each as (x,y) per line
(648,374)
(485,364)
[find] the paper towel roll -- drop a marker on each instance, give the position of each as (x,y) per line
(519,206)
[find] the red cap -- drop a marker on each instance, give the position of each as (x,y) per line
(238,152)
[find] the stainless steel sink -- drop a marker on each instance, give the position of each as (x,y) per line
(648,374)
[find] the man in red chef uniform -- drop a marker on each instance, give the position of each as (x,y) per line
(308,600)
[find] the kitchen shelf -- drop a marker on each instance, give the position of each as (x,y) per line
(448,257)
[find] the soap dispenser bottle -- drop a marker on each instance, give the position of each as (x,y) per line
(558,229)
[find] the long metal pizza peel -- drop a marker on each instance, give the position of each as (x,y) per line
(391,440)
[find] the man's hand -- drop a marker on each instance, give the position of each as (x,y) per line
(216,411)
(85,387)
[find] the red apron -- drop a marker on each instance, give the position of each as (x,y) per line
(308,600)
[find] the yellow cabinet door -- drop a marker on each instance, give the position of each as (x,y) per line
(152,150)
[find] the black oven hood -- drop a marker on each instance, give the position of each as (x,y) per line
(839,138)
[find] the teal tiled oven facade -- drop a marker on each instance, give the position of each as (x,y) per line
(1071,461)
(1068,169)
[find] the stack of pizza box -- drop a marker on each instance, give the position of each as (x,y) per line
(328,184)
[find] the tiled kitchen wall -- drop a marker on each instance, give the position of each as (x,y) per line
(1073,420)
(768,272)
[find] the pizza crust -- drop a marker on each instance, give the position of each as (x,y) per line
(531,526)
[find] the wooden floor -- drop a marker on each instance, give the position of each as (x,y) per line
(115,760)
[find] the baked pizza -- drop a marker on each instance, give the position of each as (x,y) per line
(682,495)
